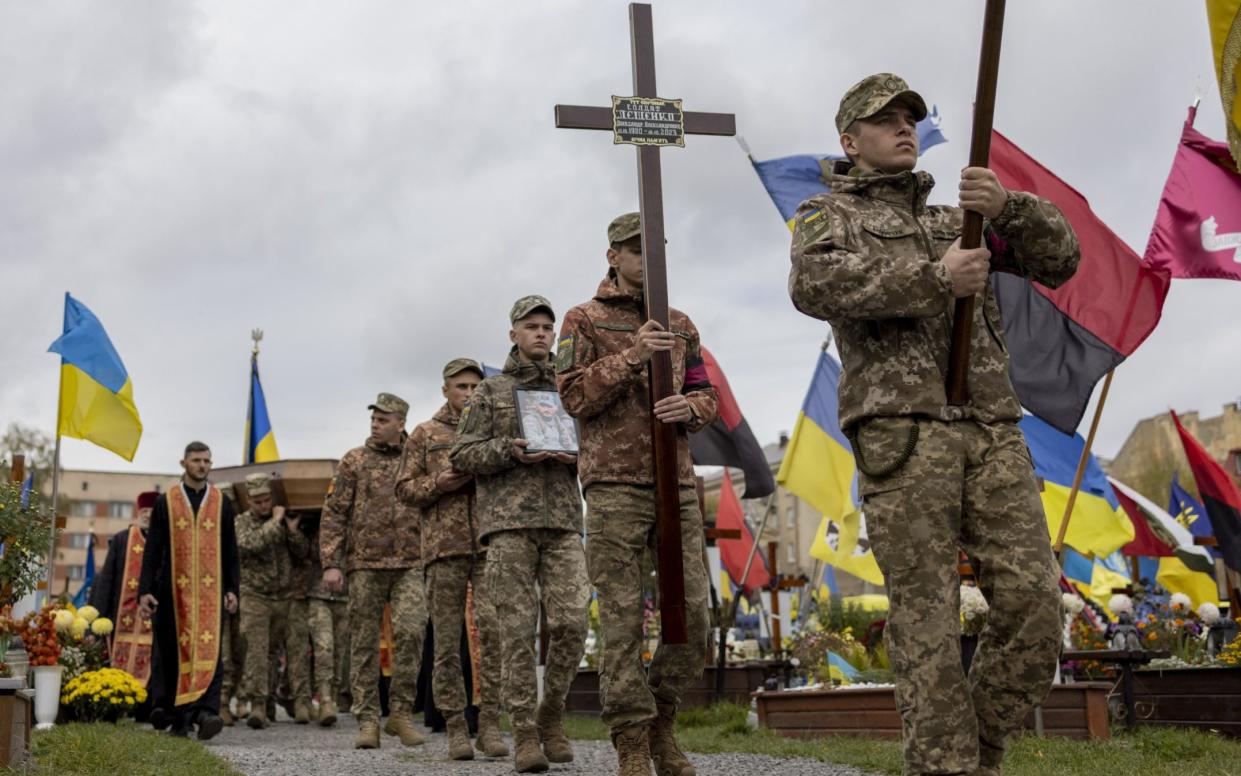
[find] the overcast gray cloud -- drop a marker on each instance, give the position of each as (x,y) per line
(373,183)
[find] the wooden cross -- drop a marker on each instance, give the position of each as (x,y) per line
(648,122)
(778,583)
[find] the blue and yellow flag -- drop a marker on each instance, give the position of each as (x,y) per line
(1189,513)
(790,180)
(260,438)
(840,670)
(1098,525)
(96,394)
(818,468)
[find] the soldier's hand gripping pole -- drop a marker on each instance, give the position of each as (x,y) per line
(971,232)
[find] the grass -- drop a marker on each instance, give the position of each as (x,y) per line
(102,749)
(1149,751)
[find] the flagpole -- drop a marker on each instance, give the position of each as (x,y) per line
(1081,469)
(60,403)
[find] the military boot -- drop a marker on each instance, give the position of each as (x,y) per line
(368,735)
(401,724)
(633,751)
(668,758)
(258,718)
(327,712)
(529,757)
(459,747)
(489,741)
(226,716)
(301,712)
(551,733)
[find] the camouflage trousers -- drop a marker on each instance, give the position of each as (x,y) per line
(369,590)
(516,561)
(297,650)
(329,633)
(232,658)
(968,485)
(446,592)
(620,529)
(264,625)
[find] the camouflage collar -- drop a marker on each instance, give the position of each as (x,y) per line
(389,450)
(610,292)
(530,372)
(902,188)
(446,415)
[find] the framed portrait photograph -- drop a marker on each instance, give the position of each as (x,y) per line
(544,422)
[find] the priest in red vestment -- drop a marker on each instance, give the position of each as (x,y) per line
(190,577)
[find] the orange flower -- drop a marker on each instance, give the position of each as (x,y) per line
(1152,636)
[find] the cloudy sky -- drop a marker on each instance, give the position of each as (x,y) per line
(373,184)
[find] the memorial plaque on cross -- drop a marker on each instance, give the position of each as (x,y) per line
(649,122)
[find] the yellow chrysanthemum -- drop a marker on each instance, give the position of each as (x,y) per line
(102,626)
(78,629)
(88,613)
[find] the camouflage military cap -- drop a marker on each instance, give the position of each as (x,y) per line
(459,365)
(390,402)
(624,227)
(528,304)
(872,94)
(258,484)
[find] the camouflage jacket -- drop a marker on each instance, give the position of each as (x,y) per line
(364,526)
(604,386)
(512,495)
(317,588)
(449,527)
(267,551)
(866,258)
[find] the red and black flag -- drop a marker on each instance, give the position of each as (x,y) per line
(1063,340)
(729,441)
(1220,497)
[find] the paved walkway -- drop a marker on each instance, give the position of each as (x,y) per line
(286,749)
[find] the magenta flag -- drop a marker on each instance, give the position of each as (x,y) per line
(1197,232)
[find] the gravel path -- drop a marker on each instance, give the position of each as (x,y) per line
(286,749)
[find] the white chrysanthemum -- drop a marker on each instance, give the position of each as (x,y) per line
(1180,601)
(1209,613)
(973,603)
(63,620)
(1073,604)
(1120,604)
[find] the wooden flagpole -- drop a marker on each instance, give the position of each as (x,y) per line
(1081,469)
(957,386)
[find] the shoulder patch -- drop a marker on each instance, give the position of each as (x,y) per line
(811,216)
(463,425)
(564,353)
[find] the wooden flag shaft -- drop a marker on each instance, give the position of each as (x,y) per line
(1081,469)
(971,231)
(655,295)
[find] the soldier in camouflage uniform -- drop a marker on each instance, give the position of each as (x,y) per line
(329,633)
(232,649)
(884,268)
(454,559)
(377,540)
(604,349)
(530,518)
(268,543)
(297,637)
